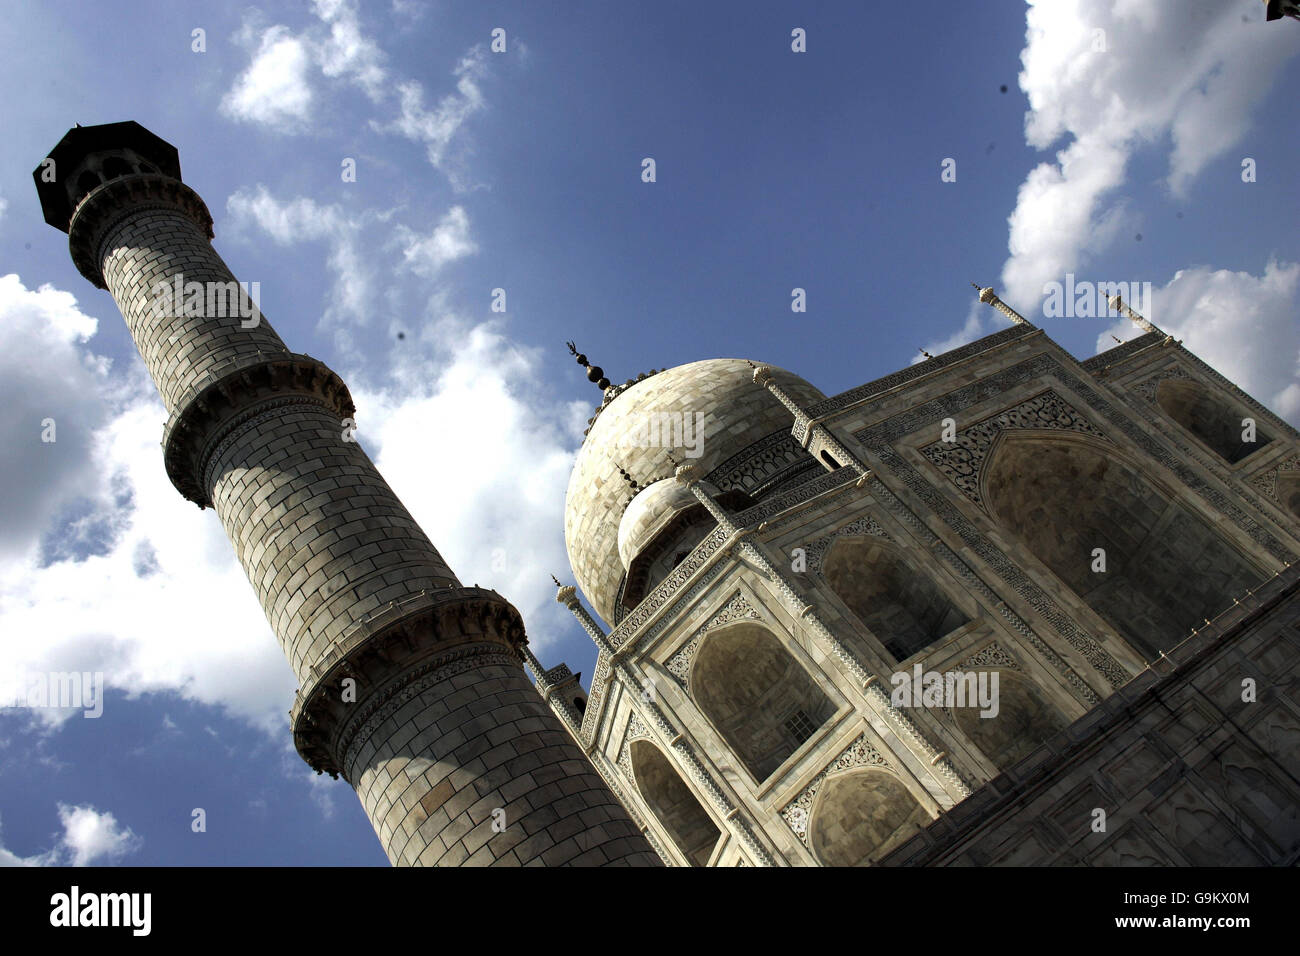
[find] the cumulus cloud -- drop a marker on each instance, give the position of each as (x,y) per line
(278,87)
(275,89)
(449,241)
(438,127)
(1147,79)
(1243,325)
(108,612)
(90,837)
(50,387)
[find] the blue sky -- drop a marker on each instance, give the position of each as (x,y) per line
(521,170)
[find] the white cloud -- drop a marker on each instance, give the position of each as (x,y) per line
(45,375)
(100,613)
(90,837)
(1243,325)
(347,52)
(437,128)
(449,241)
(1191,79)
(275,89)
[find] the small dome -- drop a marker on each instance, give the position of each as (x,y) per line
(703,413)
(649,513)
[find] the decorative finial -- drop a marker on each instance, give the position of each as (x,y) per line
(926,354)
(557,581)
(594,372)
(1117,339)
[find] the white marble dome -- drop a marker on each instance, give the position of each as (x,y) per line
(716,396)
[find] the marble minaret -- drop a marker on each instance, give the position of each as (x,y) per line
(411,685)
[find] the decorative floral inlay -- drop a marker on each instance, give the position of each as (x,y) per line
(860,753)
(1266,481)
(635,730)
(1147,387)
(990,655)
(962,459)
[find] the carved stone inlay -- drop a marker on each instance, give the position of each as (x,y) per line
(737,609)
(1147,387)
(635,730)
(990,655)
(763,465)
(866,525)
(860,753)
(595,697)
(1266,481)
(961,460)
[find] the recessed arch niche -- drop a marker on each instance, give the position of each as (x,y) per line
(673,803)
(859,816)
(1024,720)
(904,608)
(1166,571)
(1209,417)
(1288,492)
(762,701)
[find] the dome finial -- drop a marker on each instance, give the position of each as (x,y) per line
(594,372)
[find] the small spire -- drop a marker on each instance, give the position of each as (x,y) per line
(594,372)
(926,354)
(1117,339)
(557,581)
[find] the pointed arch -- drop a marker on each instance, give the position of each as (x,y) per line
(1208,416)
(1288,492)
(904,608)
(1166,569)
(762,701)
(673,803)
(857,817)
(1024,719)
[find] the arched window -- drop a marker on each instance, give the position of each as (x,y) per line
(761,700)
(1288,490)
(1024,720)
(116,166)
(859,816)
(87,181)
(904,609)
(1207,416)
(673,803)
(1166,570)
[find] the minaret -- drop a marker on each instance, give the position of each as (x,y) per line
(410,685)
